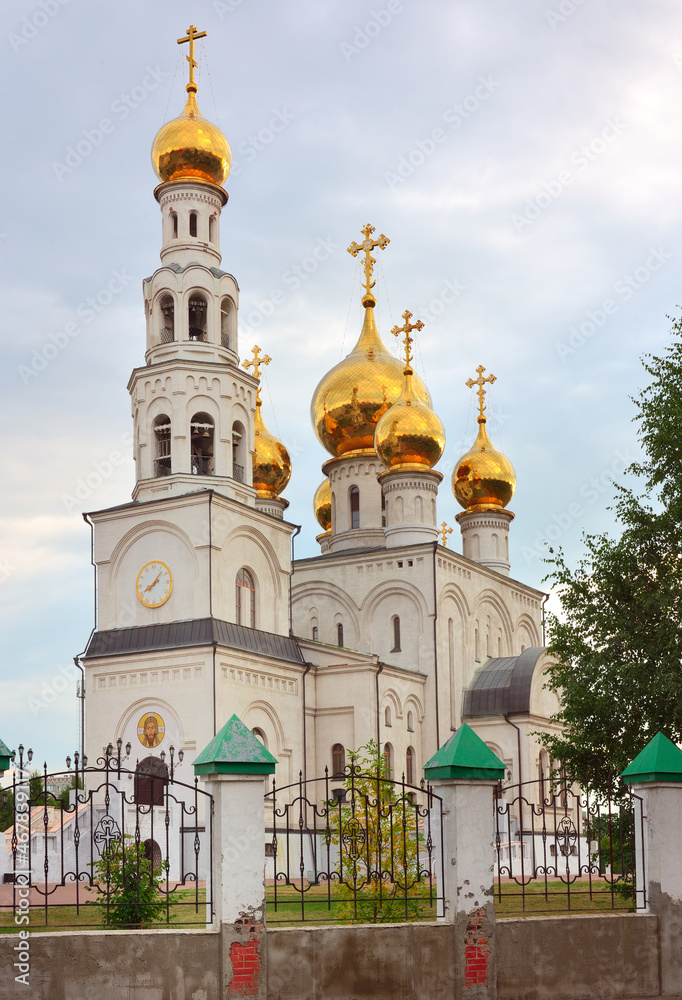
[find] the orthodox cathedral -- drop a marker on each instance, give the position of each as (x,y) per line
(386,635)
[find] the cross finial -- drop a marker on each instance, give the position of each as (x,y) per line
(480,382)
(367,246)
(257,363)
(407,340)
(444,532)
(190,36)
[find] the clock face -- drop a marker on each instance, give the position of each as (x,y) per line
(154,584)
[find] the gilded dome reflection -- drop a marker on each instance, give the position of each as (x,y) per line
(322,505)
(484,478)
(409,435)
(350,399)
(271,462)
(190,147)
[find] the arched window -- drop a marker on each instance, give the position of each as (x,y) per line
(226,316)
(354,507)
(477,650)
(387,716)
(245,599)
(339,634)
(384,514)
(338,760)
(152,852)
(192,223)
(162,446)
(174,224)
(410,722)
(395,621)
(316,633)
(238,452)
(196,317)
(151,778)
(260,735)
(167,320)
(409,766)
(488,648)
(388,759)
(211,228)
(202,432)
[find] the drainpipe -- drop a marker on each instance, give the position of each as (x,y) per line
(376,679)
(215,728)
(307,670)
(544,602)
(518,751)
(210,556)
(291,576)
(435,644)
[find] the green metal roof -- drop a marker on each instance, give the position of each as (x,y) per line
(5,757)
(465,755)
(235,750)
(660,760)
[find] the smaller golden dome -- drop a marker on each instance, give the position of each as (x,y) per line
(271,462)
(322,505)
(484,478)
(409,435)
(191,147)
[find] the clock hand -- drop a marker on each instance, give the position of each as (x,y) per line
(152,584)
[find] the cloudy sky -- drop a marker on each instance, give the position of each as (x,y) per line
(523,159)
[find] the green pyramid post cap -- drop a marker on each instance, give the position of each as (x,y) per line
(465,755)
(660,760)
(5,757)
(235,750)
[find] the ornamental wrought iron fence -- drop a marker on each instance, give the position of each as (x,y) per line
(106,845)
(353,847)
(560,847)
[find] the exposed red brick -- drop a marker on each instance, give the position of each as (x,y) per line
(245,960)
(476,951)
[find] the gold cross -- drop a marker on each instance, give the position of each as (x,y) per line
(191,35)
(256,363)
(480,382)
(407,328)
(445,531)
(368,245)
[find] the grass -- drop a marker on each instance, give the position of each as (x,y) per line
(288,912)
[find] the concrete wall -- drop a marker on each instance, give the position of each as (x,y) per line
(561,958)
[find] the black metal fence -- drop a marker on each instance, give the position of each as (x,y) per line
(106,845)
(559,847)
(353,847)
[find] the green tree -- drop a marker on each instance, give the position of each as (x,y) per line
(382,855)
(6,809)
(618,641)
(128,885)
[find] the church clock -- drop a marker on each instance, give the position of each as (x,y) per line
(154,584)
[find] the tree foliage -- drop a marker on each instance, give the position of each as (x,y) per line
(128,885)
(618,642)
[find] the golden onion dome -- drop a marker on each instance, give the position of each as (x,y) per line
(271,462)
(350,399)
(322,505)
(191,147)
(409,435)
(484,478)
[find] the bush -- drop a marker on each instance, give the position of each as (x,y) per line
(128,885)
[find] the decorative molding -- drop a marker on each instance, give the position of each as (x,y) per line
(272,682)
(141,678)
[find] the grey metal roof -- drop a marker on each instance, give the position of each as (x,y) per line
(502,685)
(193,632)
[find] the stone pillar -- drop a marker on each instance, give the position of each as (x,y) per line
(464,773)
(274,506)
(410,498)
(485,537)
(656,776)
(233,766)
(359,470)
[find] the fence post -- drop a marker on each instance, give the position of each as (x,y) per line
(656,775)
(233,766)
(464,773)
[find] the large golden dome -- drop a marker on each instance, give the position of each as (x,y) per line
(351,398)
(322,505)
(191,148)
(484,478)
(271,462)
(409,435)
